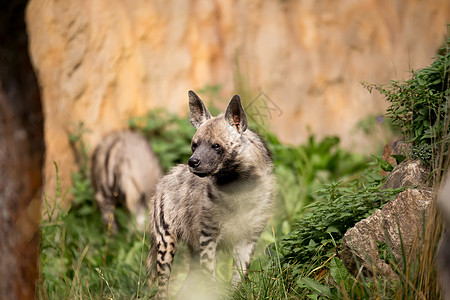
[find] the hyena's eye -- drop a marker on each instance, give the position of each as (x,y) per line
(216,147)
(193,146)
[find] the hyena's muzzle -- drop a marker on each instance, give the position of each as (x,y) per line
(206,158)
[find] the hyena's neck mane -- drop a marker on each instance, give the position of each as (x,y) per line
(246,164)
(235,172)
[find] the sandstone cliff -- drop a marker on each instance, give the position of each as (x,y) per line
(104,61)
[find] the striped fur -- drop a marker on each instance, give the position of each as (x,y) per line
(223,197)
(124,172)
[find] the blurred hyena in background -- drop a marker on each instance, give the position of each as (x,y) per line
(124,172)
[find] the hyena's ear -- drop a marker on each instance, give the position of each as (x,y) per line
(235,114)
(198,113)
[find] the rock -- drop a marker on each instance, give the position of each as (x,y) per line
(359,246)
(101,62)
(409,173)
(399,223)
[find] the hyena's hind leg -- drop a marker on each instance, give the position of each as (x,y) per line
(207,256)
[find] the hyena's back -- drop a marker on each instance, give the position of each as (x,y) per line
(124,172)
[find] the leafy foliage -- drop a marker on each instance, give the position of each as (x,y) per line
(169,135)
(339,277)
(419,106)
(302,170)
(338,207)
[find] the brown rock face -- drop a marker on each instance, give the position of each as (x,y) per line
(102,61)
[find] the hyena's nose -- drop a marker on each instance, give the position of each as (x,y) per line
(194,162)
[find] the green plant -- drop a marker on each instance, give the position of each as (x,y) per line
(266,281)
(169,135)
(79,260)
(419,106)
(318,232)
(304,169)
(340,280)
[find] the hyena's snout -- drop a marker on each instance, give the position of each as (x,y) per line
(197,167)
(204,161)
(194,162)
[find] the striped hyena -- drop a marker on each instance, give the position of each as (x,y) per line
(223,196)
(124,172)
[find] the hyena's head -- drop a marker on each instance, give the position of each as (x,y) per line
(216,142)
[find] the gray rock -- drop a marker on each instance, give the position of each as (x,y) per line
(399,223)
(410,173)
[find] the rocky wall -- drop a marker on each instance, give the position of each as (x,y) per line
(103,61)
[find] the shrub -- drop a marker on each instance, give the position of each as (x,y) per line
(169,135)
(419,107)
(318,232)
(302,170)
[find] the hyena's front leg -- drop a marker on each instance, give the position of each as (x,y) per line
(242,257)
(166,247)
(201,280)
(107,206)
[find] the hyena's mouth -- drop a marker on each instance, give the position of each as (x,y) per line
(198,169)
(200,174)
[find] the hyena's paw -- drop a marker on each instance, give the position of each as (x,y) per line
(110,223)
